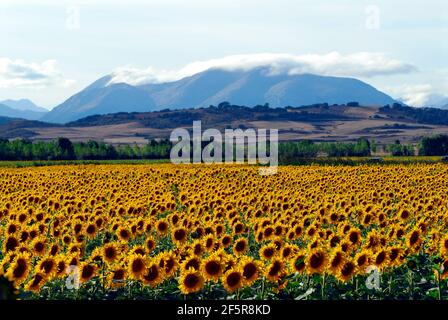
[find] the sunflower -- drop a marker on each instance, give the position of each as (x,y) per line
(354,237)
(75,249)
(288,251)
(179,235)
(150,244)
(138,250)
(96,255)
(54,250)
(395,255)
(298,262)
(36,283)
(212,267)
(238,228)
(267,251)
(192,262)
(162,227)
(12,228)
(190,281)
(48,267)
(226,240)
(19,269)
(229,261)
(241,246)
(153,275)
(39,246)
(90,230)
(347,271)
(117,278)
(110,252)
(86,271)
(275,270)
(73,260)
(136,266)
(414,240)
(123,234)
(404,214)
(251,270)
(316,261)
(61,265)
(232,280)
(380,259)
(209,243)
(219,230)
(10,244)
(197,248)
(336,260)
(168,262)
(362,260)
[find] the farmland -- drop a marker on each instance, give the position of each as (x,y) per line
(164,231)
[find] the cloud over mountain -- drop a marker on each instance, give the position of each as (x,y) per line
(361,64)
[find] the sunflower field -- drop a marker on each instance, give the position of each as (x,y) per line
(164,231)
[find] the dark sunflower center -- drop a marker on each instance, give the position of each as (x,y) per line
(191,281)
(137,265)
(316,260)
(233,279)
(213,268)
(249,270)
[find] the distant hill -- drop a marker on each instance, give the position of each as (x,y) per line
(5,120)
(23,104)
(6,111)
(100,98)
(212,87)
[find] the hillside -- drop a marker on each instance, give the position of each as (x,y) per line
(320,122)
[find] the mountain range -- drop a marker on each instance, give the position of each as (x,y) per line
(242,87)
(22,108)
(252,87)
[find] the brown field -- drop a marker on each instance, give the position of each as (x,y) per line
(288,130)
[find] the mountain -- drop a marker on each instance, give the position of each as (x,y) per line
(23,104)
(101,98)
(256,86)
(6,111)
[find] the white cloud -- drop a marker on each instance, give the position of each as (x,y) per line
(21,74)
(418,95)
(361,64)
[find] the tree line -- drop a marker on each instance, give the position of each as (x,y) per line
(64,149)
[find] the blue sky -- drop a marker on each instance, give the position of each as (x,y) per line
(49,49)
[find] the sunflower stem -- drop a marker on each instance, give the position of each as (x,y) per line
(411,284)
(323,286)
(390,284)
(262,288)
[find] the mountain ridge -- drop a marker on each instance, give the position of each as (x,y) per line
(6,111)
(23,105)
(211,87)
